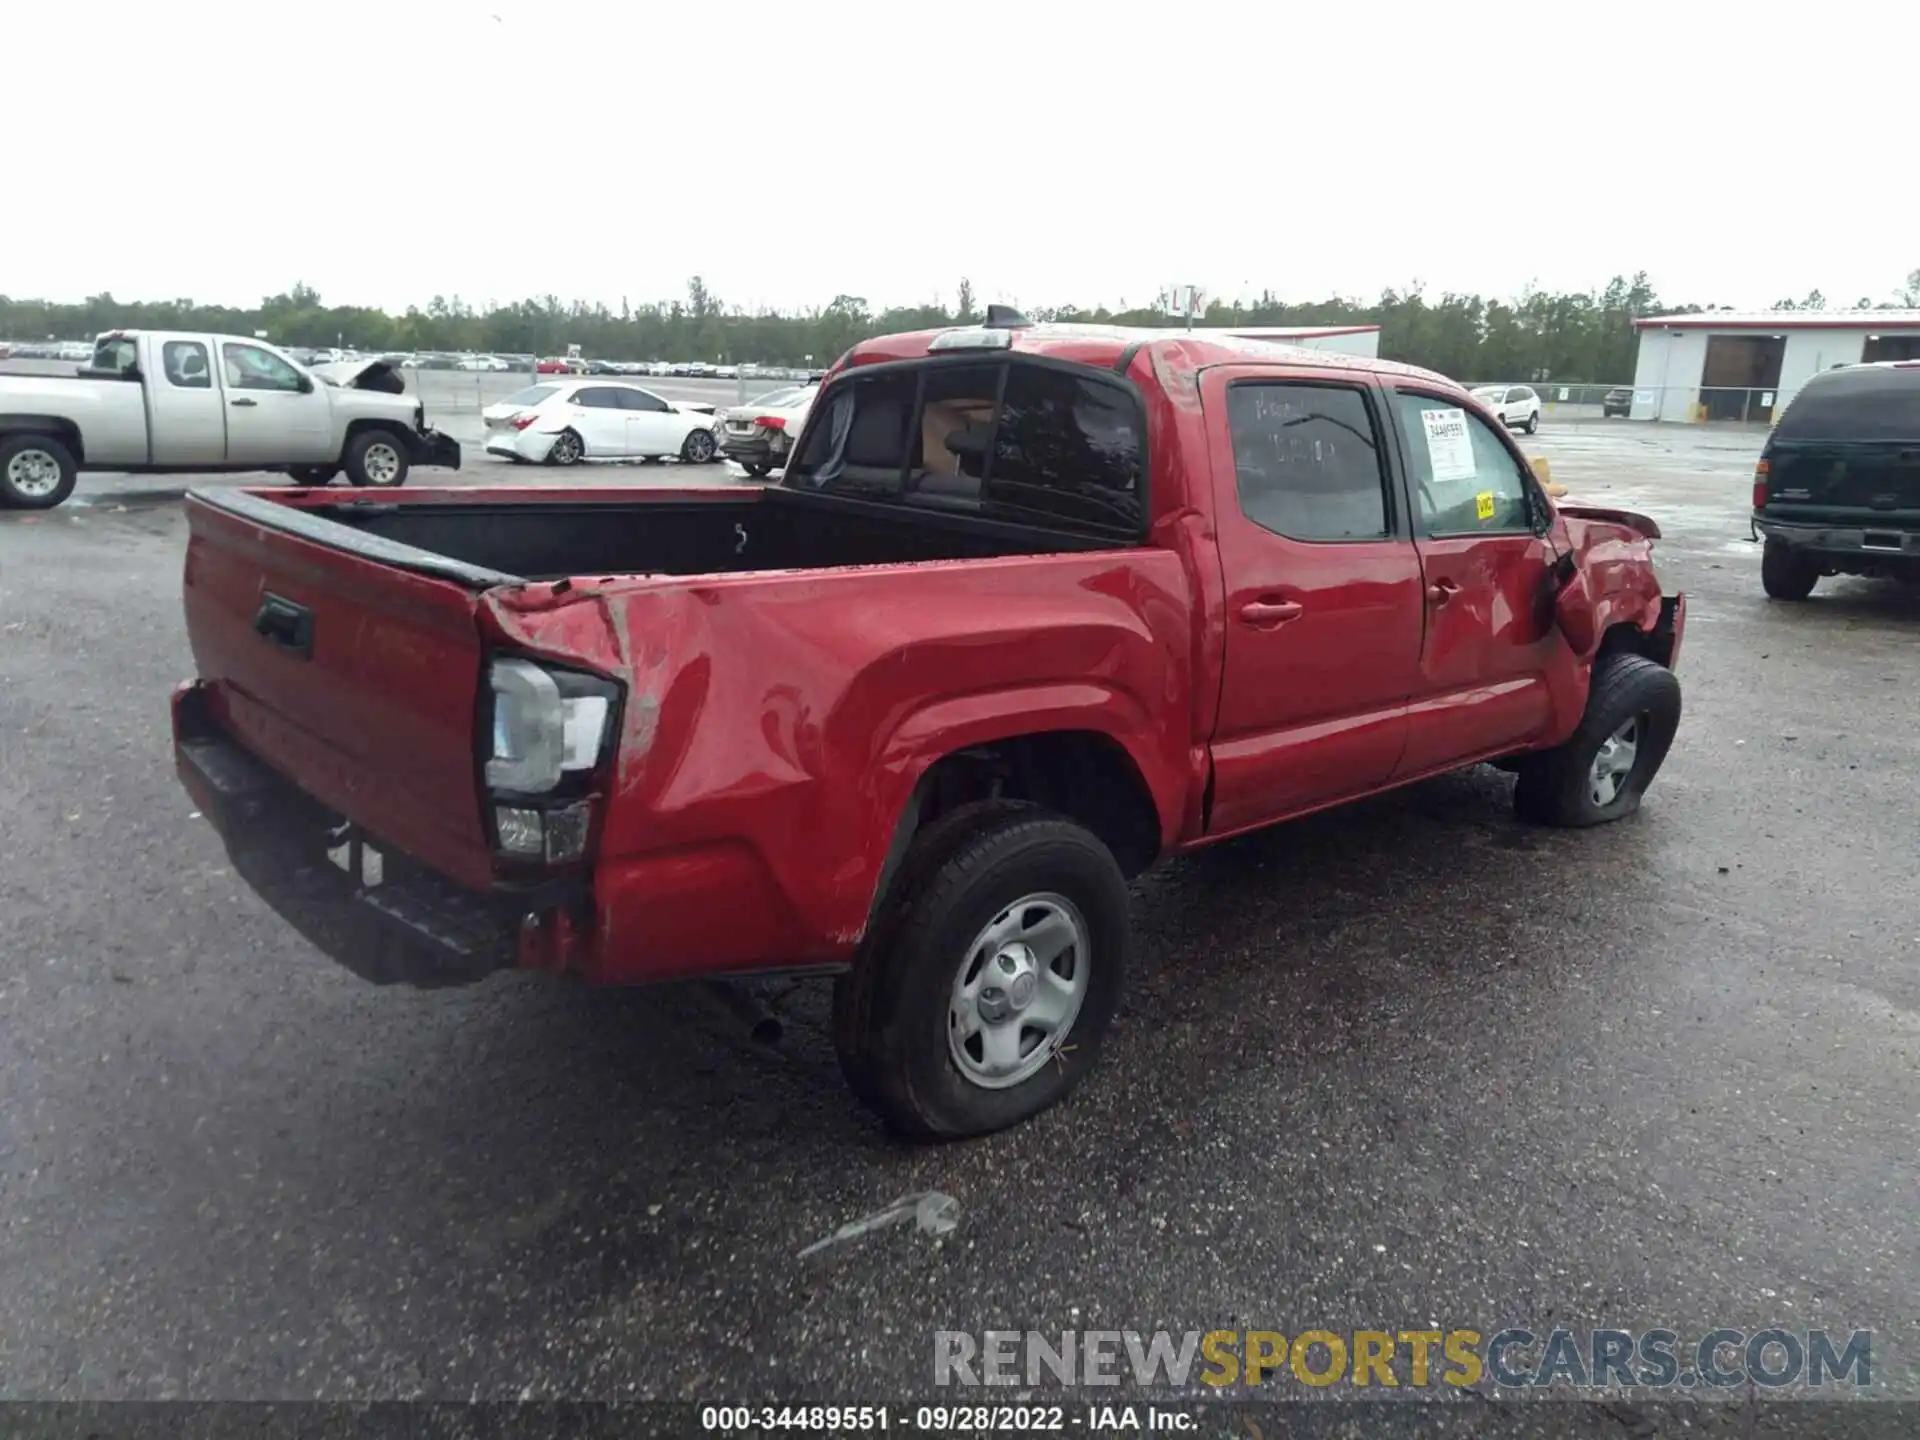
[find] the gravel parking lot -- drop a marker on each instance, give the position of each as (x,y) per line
(1404,1063)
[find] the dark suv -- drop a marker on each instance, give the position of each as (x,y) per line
(1837,489)
(1617,401)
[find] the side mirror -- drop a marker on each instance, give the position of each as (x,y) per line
(306,385)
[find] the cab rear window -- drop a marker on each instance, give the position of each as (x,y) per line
(1013,439)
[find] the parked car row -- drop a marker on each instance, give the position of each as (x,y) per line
(74,351)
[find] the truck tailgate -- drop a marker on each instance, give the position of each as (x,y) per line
(356,680)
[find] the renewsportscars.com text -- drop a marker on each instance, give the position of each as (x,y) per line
(1510,1358)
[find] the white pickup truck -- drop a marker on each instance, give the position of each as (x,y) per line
(156,401)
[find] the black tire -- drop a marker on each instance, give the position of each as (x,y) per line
(1787,573)
(890,1022)
(1532,427)
(1555,786)
(376,458)
(312,474)
(756,470)
(699,448)
(23,467)
(568,449)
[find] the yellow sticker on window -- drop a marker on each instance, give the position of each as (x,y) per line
(1483,505)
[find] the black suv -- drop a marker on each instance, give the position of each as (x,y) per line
(1837,489)
(1617,401)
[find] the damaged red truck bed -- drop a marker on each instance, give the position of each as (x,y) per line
(1032,608)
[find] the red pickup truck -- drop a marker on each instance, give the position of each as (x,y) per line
(1032,608)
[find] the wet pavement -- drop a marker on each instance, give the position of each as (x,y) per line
(1403,1064)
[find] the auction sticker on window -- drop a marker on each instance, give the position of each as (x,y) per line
(1449,446)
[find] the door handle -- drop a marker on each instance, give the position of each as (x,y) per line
(243,400)
(1442,591)
(1265,614)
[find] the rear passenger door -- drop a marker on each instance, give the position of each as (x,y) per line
(189,413)
(1322,587)
(1489,631)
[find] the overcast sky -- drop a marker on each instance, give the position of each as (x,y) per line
(1054,152)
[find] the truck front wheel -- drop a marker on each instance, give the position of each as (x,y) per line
(36,472)
(1600,773)
(981,996)
(377,458)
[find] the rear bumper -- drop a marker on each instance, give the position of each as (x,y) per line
(382,916)
(432,448)
(1893,543)
(752,451)
(520,445)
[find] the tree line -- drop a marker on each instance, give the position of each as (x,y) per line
(1538,335)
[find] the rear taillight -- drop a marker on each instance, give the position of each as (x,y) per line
(549,739)
(772,422)
(1760,486)
(521,422)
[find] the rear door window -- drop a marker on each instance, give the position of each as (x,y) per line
(1306,460)
(185,363)
(1011,439)
(598,397)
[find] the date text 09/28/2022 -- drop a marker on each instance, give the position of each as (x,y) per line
(937,1419)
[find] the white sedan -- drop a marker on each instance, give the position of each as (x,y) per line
(562,422)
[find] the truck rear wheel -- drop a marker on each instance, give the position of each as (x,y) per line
(377,458)
(37,472)
(1600,773)
(981,996)
(1787,573)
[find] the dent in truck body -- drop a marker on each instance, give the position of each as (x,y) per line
(755,801)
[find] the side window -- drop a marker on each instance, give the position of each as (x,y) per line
(1465,479)
(1307,460)
(185,362)
(598,397)
(117,354)
(641,400)
(863,443)
(249,367)
(1069,448)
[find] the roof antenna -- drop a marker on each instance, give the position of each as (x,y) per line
(1005,317)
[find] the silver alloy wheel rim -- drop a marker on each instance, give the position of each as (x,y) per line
(1018,990)
(34,473)
(700,446)
(382,463)
(566,449)
(1613,763)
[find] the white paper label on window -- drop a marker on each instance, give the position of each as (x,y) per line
(1449,446)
